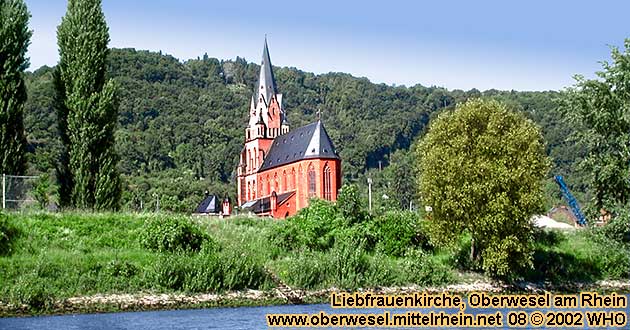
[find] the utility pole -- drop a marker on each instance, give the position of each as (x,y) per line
(369,180)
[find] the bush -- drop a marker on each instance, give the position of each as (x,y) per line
(508,257)
(421,269)
(30,290)
(617,230)
(209,272)
(8,233)
(173,234)
(306,270)
(347,264)
(399,230)
(350,205)
(315,225)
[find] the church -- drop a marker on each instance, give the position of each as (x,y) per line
(281,169)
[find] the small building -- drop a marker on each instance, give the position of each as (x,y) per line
(213,205)
(281,169)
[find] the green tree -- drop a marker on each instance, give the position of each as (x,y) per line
(401,188)
(14,40)
(350,205)
(87,110)
(482,169)
(600,109)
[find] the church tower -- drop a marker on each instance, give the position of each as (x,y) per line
(266,121)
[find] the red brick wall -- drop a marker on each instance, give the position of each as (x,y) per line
(299,183)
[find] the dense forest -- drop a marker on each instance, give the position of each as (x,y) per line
(181,125)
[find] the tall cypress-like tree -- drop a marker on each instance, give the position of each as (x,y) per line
(87,110)
(14,40)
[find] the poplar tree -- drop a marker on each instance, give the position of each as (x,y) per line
(14,40)
(86,109)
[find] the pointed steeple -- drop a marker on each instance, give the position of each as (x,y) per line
(266,81)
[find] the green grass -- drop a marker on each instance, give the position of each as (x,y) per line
(55,256)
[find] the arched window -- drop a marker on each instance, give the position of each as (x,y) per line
(284,186)
(293,178)
(268,186)
(300,183)
(312,184)
(249,190)
(327,183)
(254,189)
(275,182)
(249,160)
(255,158)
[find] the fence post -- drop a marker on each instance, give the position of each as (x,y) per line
(4,191)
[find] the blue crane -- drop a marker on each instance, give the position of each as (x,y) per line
(575,208)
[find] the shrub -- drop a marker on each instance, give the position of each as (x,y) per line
(209,272)
(507,257)
(347,264)
(170,271)
(397,231)
(284,235)
(315,225)
(30,290)
(121,268)
(350,205)
(617,230)
(241,271)
(8,233)
(421,269)
(172,234)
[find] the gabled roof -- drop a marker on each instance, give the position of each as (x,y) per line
(262,205)
(266,79)
(210,204)
(310,141)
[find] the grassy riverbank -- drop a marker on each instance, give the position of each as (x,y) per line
(50,258)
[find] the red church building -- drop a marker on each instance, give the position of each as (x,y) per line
(281,169)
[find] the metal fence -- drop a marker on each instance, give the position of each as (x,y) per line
(18,191)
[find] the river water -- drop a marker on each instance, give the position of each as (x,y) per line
(192,319)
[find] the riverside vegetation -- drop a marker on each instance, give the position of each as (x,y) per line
(47,258)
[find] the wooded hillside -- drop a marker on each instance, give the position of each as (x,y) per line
(181,124)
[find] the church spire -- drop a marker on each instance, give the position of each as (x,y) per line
(266,81)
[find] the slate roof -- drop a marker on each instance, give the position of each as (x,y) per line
(264,204)
(210,204)
(266,78)
(310,141)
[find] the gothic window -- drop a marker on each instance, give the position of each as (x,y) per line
(327,183)
(243,192)
(293,178)
(249,190)
(249,160)
(312,184)
(275,182)
(255,158)
(254,190)
(300,182)
(284,181)
(268,186)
